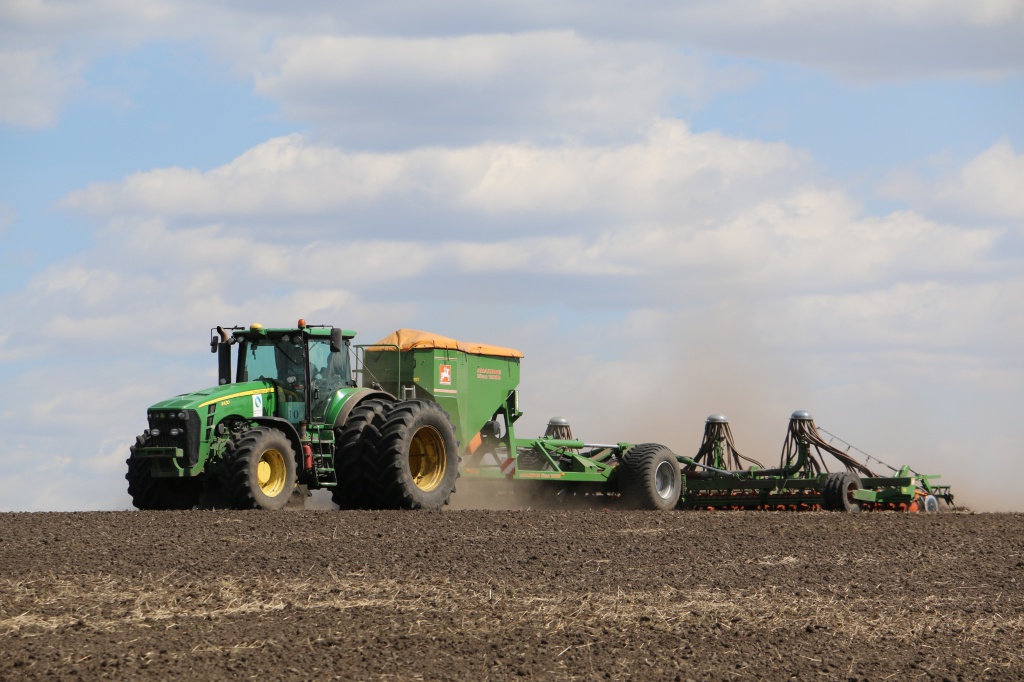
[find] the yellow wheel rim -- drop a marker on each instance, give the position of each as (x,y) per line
(427,458)
(271,473)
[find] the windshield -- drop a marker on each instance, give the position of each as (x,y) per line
(280,360)
(329,371)
(299,371)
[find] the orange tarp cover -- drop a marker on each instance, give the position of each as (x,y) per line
(409,339)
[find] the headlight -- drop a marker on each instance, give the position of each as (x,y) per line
(154,432)
(175,432)
(181,415)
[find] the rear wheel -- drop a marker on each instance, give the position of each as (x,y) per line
(416,457)
(649,477)
(353,458)
(259,472)
(150,492)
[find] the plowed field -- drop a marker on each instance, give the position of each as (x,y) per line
(475,595)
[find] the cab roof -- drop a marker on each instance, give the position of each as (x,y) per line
(316,330)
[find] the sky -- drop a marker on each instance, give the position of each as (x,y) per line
(746,207)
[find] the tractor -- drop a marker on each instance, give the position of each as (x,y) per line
(290,411)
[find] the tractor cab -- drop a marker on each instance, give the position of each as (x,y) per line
(306,365)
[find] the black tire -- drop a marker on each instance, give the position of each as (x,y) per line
(149,492)
(259,471)
(649,478)
(354,454)
(829,492)
(842,492)
(415,457)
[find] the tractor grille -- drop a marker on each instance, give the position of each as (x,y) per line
(187,438)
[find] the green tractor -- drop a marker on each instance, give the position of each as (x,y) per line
(302,407)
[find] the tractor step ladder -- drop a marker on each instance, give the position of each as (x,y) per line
(322,444)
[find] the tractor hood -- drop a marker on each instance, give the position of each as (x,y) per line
(224,395)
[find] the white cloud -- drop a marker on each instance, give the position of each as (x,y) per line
(35,85)
(986,188)
(393,92)
(915,315)
(872,41)
(907,12)
(671,174)
(676,206)
(676,220)
(809,239)
(467,72)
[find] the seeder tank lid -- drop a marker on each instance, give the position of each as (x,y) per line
(411,339)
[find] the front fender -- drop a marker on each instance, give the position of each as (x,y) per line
(288,429)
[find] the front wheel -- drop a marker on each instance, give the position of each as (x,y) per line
(259,472)
(416,457)
(649,477)
(150,492)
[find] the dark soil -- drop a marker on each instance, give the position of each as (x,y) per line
(477,595)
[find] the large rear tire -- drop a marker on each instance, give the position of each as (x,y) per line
(416,457)
(649,478)
(150,492)
(354,454)
(259,472)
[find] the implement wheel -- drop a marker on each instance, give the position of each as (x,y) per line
(150,492)
(416,457)
(649,477)
(838,492)
(259,471)
(354,454)
(828,491)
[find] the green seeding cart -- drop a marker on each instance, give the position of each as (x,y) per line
(393,424)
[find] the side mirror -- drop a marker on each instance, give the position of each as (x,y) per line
(222,335)
(337,340)
(224,363)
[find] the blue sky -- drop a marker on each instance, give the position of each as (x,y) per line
(741,207)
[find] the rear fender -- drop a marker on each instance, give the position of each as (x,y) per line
(354,399)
